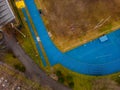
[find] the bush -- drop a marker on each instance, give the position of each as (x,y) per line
(117,80)
(58,73)
(61,79)
(60,76)
(71,84)
(19,67)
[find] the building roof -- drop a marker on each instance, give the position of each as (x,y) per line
(6,14)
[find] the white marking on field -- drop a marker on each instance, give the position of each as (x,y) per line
(38,39)
(103,56)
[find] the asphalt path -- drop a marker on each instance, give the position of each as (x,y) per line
(33,71)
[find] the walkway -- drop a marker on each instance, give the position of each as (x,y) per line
(93,58)
(33,71)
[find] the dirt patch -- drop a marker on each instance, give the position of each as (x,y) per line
(105,84)
(74,22)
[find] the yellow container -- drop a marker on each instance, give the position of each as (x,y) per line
(20,4)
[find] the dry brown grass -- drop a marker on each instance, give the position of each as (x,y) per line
(73,22)
(105,84)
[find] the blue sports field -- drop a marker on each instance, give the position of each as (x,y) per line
(98,57)
(97,52)
(34,36)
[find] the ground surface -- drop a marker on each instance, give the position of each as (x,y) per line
(11,79)
(83,82)
(32,70)
(76,22)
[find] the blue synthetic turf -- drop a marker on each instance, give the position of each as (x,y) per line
(97,52)
(34,37)
(93,58)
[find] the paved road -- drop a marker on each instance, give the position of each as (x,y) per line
(33,71)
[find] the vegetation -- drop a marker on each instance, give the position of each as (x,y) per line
(60,76)
(16,12)
(19,67)
(27,42)
(117,79)
(72,79)
(65,79)
(11,60)
(78,81)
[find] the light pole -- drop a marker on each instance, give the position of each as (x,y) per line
(18,30)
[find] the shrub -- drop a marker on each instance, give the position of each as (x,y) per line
(58,73)
(71,84)
(61,79)
(19,67)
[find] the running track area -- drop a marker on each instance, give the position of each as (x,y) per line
(93,58)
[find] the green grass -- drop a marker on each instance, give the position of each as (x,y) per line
(28,43)
(11,60)
(81,82)
(84,82)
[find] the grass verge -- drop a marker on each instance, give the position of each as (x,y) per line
(86,82)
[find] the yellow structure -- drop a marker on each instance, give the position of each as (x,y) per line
(20,3)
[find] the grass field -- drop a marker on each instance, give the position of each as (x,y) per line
(74,22)
(86,82)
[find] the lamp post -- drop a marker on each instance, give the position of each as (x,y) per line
(18,30)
